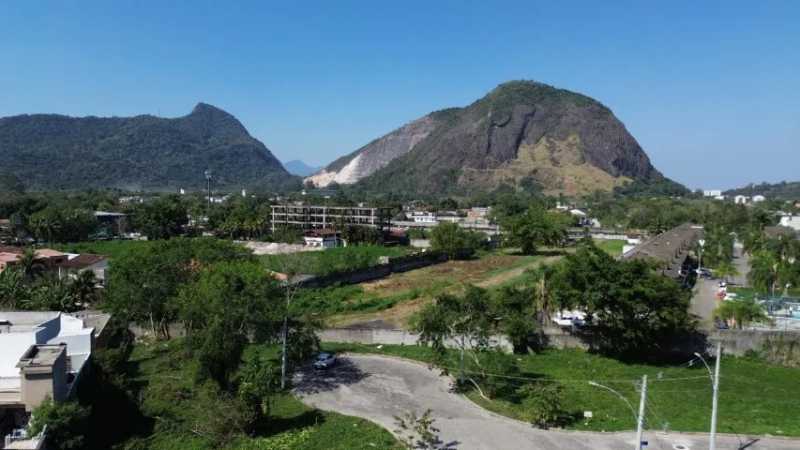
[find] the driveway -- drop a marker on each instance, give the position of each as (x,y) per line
(378,388)
(704,297)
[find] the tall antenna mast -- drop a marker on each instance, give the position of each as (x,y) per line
(207,174)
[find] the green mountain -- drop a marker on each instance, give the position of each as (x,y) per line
(55,152)
(523,134)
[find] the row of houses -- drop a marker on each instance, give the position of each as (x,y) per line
(738,199)
(61,263)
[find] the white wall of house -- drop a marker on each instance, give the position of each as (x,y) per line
(791,222)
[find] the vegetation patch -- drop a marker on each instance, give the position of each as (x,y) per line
(342,259)
(180,409)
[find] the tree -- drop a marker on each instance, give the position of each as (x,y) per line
(536,227)
(542,403)
(67,424)
(454,241)
(633,310)
(162,218)
(467,322)
(515,309)
(741,312)
(227,305)
(726,269)
(764,272)
(259,381)
(143,285)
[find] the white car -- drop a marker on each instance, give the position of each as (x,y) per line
(570,319)
(324,360)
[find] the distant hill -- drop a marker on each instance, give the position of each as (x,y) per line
(299,168)
(55,152)
(523,133)
(778,191)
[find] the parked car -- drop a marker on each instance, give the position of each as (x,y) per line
(570,319)
(324,360)
(705,273)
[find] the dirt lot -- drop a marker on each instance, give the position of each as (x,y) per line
(424,284)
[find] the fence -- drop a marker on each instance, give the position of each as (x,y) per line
(394,265)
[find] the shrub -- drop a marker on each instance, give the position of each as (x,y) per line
(67,424)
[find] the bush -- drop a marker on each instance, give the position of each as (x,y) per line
(542,403)
(454,241)
(67,424)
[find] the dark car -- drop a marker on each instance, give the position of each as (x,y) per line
(324,360)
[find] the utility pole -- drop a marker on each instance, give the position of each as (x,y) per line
(640,419)
(712,444)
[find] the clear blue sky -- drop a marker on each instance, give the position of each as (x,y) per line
(710,89)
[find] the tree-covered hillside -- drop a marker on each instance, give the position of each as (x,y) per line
(54,152)
(778,191)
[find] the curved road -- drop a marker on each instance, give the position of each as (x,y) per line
(378,388)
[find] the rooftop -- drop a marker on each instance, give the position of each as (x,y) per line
(670,247)
(83,260)
(41,356)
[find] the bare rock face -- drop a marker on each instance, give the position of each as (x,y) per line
(375,155)
(522,132)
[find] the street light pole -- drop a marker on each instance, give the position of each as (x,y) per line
(712,445)
(640,419)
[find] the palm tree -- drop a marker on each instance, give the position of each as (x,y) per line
(12,288)
(83,288)
(726,269)
(29,264)
(742,312)
(764,272)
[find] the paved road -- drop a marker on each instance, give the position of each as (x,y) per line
(704,298)
(378,388)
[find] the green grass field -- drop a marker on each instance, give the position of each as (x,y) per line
(113,249)
(172,399)
(332,260)
(612,247)
(755,397)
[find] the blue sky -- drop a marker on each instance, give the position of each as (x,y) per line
(711,90)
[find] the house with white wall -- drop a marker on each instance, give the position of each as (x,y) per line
(791,221)
(42,355)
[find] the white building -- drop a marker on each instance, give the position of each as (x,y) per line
(741,199)
(424,217)
(712,193)
(759,198)
(791,221)
(322,239)
(20,332)
(577,212)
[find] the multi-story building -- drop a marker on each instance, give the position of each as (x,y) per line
(310,217)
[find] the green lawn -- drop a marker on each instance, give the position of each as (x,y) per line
(113,249)
(334,260)
(755,397)
(171,398)
(611,246)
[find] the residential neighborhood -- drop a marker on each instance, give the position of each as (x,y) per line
(399,226)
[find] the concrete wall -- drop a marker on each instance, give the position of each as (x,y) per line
(391,337)
(734,342)
(739,342)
